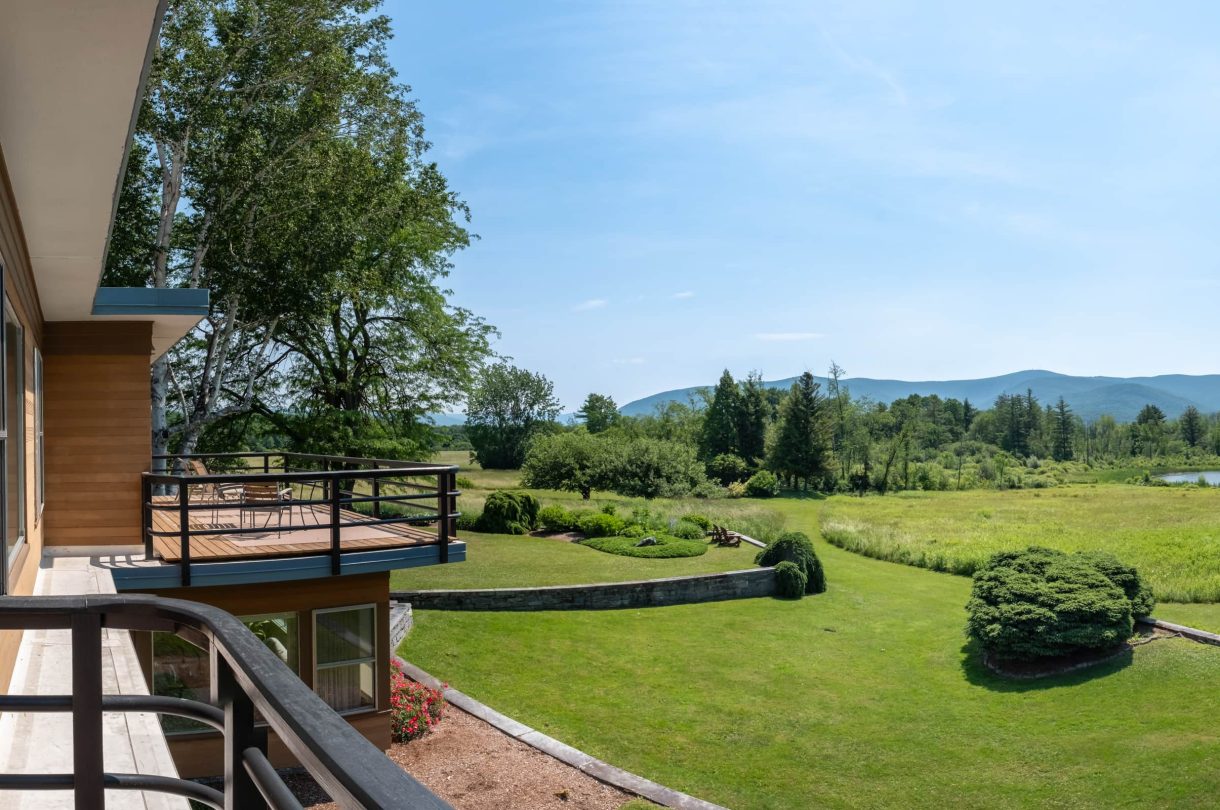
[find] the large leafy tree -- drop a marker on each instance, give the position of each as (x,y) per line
(241,183)
(507,407)
(599,413)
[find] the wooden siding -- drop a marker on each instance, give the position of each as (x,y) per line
(98,431)
(23,294)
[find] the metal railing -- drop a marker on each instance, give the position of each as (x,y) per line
(246,676)
(325,492)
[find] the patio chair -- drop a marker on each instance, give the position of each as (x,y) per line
(217,496)
(269,497)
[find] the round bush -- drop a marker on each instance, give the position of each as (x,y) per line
(468,521)
(1041,603)
(702,521)
(790,580)
(687,531)
(556,519)
(599,524)
(727,468)
(509,513)
(762,484)
(665,547)
(796,548)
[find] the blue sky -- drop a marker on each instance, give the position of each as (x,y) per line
(916,190)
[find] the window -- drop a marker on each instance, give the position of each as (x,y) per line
(40,453)
(14,432)
(180,669)
(345,657)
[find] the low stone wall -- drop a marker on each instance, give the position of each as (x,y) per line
(752,582)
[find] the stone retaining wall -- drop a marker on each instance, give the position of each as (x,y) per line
(746,584)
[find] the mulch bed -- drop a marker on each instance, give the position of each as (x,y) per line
(474,766)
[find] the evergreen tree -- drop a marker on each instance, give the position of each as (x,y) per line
(752,419)
(800,449)
(968,414)
(1191,426)
(720,422)
(1064,428)
(599,413)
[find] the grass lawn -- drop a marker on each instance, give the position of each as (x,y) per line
(860,697)
(1172,535)
(507,561)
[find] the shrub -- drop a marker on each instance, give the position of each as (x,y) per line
(702,521)
(509,513)
(790,580)
(1041,603)
(727,468)
(463,482)
(1125,577)
(686,530)
(708,490)
(665,547)
(762,484)
(653,468)
(556,519)
(599,524)
(796,548)
(736,490)
(414,708)
(469,521)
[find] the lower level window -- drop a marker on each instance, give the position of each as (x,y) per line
(345,657)
(180,669)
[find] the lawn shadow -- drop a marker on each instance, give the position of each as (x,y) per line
(978,674)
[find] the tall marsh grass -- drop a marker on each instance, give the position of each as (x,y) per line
(1172,535)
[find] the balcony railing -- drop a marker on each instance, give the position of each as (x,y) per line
(325,500)
(247,677)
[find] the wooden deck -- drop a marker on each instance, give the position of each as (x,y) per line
(302,539)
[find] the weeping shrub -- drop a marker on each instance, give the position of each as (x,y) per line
(509,513)
(790,580)
(796,548)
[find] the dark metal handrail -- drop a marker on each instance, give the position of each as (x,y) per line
(246,677)
(337,479)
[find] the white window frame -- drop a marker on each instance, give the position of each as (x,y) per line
(350,661)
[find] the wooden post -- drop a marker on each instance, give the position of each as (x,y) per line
(377,495)
(87,768)
(146,515)
(240,734)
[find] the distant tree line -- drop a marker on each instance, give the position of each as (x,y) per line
(741,437)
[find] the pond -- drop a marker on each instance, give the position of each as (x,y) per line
(1210,476)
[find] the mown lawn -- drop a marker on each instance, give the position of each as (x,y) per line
(507,561)
(1172,535)
(861,697)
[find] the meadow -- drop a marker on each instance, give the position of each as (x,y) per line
(1172,535)
(865,696)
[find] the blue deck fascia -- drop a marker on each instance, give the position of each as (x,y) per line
(281,569)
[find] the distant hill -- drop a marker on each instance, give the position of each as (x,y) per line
(1089,397)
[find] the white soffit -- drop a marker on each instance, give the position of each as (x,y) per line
(69,82)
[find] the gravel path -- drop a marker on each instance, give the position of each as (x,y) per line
(476,767)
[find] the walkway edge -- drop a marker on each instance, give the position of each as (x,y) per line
(1192,633)
(601,771)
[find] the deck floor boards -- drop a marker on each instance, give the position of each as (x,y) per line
(273,543)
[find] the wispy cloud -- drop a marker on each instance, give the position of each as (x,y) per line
(787,337)
(684,295)
(592,303)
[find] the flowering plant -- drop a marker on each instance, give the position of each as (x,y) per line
(414,708)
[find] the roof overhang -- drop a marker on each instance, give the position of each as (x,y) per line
(173,312)
(71,79)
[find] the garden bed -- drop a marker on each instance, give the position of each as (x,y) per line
(665,547)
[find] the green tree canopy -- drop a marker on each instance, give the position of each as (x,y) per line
(599,413)
(721,419)
(800,450)
(506,408)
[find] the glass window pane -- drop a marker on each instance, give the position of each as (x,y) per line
(180,669)
(14,368)
(347,687)
(344,635)
(279,633)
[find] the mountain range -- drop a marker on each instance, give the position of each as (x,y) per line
(1089,397)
